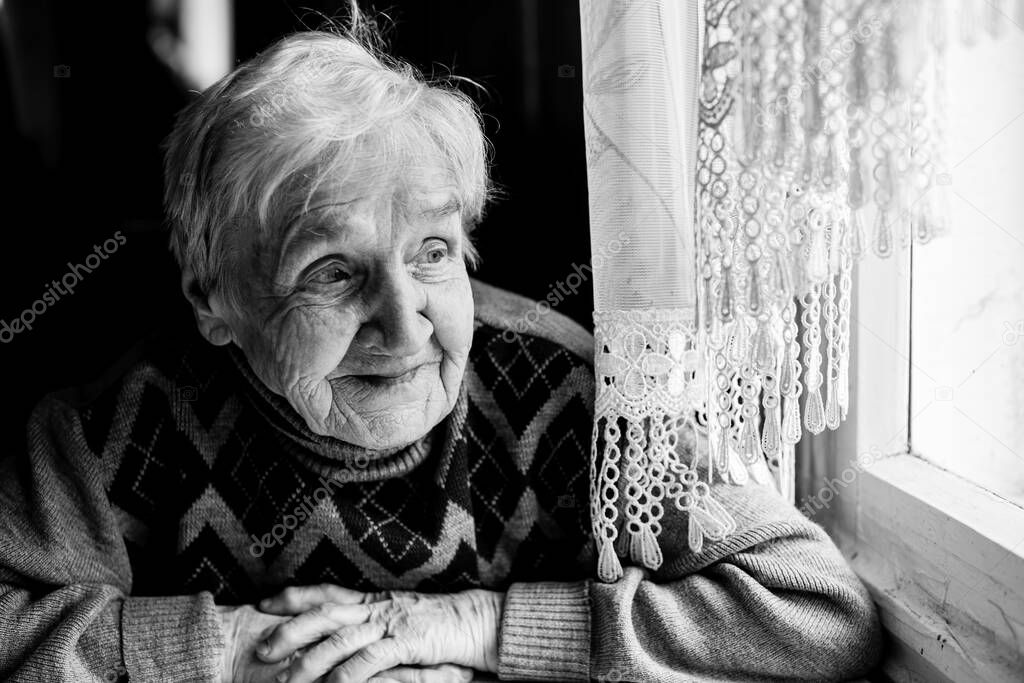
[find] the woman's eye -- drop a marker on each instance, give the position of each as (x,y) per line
(437,254)
(331,275)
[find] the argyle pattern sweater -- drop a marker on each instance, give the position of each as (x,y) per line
(185,484)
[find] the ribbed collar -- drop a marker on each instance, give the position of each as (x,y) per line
(328,456)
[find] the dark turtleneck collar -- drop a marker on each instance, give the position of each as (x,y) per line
(328,456)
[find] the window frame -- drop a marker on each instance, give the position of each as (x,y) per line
(942,557)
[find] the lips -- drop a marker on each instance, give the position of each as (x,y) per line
(392,376)
(390,380)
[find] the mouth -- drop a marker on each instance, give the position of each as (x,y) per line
(394,377)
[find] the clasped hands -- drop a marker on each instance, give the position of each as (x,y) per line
(333,634)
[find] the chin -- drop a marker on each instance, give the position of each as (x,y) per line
(385,419)
(393,429)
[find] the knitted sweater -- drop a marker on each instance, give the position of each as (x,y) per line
(186,484)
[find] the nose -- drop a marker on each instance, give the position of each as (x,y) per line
(395,325)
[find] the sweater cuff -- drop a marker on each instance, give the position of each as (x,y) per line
(545,632)
(172,638)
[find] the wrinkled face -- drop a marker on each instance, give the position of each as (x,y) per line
(359,311)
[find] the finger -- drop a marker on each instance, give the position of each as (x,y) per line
(444,673)
(296,599)
(310,627)
(368,662)
(337,647)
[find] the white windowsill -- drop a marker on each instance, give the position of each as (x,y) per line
(944,560)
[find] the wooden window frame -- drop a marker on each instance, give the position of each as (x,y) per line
(942,557)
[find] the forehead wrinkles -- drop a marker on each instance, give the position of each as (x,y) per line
(399,193)
(424,188)
(376,193)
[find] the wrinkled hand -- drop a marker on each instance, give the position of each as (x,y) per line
(244,629)
(348,636)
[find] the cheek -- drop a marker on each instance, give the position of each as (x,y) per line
(305,343)
(451,313)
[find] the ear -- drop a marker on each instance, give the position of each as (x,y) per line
(210,310)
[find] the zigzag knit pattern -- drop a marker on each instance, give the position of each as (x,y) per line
(211,497)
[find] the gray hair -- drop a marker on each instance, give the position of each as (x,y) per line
(312,109)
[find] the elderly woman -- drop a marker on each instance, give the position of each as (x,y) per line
(358,472)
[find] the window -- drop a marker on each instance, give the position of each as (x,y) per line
(932,458)
(967,301)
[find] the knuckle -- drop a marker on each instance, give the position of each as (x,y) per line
(375,609)
(324,610)
(338,640)
(390,614)
(376,653)
(394,610)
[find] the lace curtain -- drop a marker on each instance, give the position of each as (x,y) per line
(741,155)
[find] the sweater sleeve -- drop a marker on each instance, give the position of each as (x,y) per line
(773,601)
(66,610)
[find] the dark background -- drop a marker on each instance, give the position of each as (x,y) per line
(85,161)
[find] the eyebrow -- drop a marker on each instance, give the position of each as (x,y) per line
(295,223)
(453,205)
